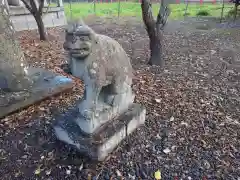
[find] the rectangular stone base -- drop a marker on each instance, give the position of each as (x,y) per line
(46,85)
(106,138)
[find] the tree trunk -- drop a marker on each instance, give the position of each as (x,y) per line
(13,68)
(36,9)
(41,28)
(236,10)
(154,33)
(155,36)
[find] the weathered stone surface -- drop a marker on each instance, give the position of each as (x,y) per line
(105,68)
(106,138)
(45,84)
(104,112)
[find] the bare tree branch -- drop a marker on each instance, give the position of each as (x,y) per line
(154,29)
(34,6)
(163,14)
(36,9)
(147,13)
(49,2)
(27,6)
(41,5)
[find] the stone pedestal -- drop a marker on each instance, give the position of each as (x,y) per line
(15,2)
(98,132)
(105,138)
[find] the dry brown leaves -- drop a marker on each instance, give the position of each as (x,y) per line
(193,111)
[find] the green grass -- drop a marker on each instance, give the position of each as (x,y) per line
(202,13)
(232,12)
(134,9)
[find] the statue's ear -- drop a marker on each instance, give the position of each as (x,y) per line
(80,22)
(70,26)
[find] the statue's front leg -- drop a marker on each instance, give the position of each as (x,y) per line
(122,90)
(91,95)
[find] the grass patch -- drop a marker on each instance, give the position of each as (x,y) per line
(232,13)
(134,9)
(203,13)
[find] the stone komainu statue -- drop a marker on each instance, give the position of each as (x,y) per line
(105,68)
(99,61)
(107,114)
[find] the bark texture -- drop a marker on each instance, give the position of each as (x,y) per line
(154,29)
(13,68)
(36,9)
(41,27)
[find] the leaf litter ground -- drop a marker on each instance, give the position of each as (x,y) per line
(193,110)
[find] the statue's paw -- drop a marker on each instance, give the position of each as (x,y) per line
(66,68)
(89,114)
(110,99)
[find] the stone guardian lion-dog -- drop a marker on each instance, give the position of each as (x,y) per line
(106,115)
(103,65)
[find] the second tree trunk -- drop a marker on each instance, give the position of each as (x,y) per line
(41,28)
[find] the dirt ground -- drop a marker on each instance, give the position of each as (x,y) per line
(193,109)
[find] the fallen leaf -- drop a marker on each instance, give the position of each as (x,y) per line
(81,167)
(157,175)
(119,174)
(167,150)
(171,119)
(48,172)
(68,172)
(37,171)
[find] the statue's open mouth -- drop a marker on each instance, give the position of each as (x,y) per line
(80,52)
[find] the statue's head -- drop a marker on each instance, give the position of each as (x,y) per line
(78,40)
